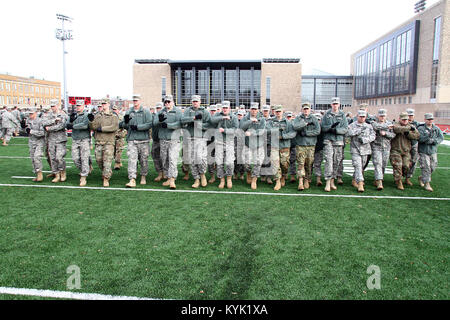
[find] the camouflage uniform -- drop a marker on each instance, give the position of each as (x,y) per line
(361,134)
(429,139)
(36,143)
(105,126)
(81,142)
(156,150)
(381,147)
(280,135)
(119,144)
(55,124)
(318,156)
(401,150)
(254,148)
(414,153)
(9,124)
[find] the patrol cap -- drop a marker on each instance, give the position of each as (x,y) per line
(226,103)
(335,100)
(289,114)
(136,97)
(106,100)
(32,110)
(363,106)
(306,105)
(362,113)
(54,102)
(152,107)
(212,107)
(242,106)
(254,105)
(266,108)
(196,98)
(429,116)
(9,107)
(410,112)
(114,107)
(159,105)
(403,116)
(79,102)
(218,106)
(168,97)
(241,112)
(382,112)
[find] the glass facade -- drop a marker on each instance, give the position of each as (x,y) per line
(435,63)
(235,83)
(389,67)
(318,90)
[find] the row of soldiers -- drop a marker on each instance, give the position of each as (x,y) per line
(10,119)
(231,144)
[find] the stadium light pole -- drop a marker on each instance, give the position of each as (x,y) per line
(63,35)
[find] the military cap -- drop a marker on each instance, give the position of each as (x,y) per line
(410,112)
(278,108)
(289,114)
(32,110)
(403,116)
(254,105)
(79,102)
(106,100)
(152,107)
(9,107)
(218,106)
(362,113)
(54,102)
(241,112)
(266,108)
(136,97)
(212,107)
(363,106)
(196,98)
(429,116)
(226,103)
(306,105)
(159,105)
(318,116)
(335,100)
(382,112)
(168,97)
(242,106)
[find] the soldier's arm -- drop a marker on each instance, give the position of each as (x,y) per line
(147,121)
(299,123)
(289,133)
(113,127)
(401,129)
(439,137)
(216,119)
(82,125)
(186,117)
(371,136)
(315,130)
(176,124)
(58,126)
(342,128)
(353,130)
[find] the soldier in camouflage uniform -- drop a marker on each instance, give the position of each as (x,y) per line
(307,128)
(105,125)
(254,126)
(137,121)
(55,126)
(169,121)
(414,149)
(292,154)
(212,167)
(361,134)
(318,153)
(334,126)
(430,137)
(266,173)
(156,148)
(281,133)
(238,147)
(9,123)
(81,140)
(119,143)
(2,110)
(36,142)
(381,147)
(226,124)
(401,148)
(195,122)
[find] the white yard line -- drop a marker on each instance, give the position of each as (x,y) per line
(223,192)
(65,294)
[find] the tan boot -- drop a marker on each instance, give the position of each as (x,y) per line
(332,185)
(212,179)
(428,187)
(117,166)
(242,177)
(131,184)
(408,182)
(249,177)
(82,181)
(143,180)
(159,177)
(222,183)
(361,186)
(421,182)
(186,176)
(306,183)
(283,181)
(196,183)
(379,185)
(301,187)
(39,177)
(293,179)
(269,180)
(319,181)
(263,178)
(63,176)
(235,176)
(327,185)
(277,185)
(105,182)
(57,178)
(203,180)
(172,183)
(166,183)
(253,183)
(229,182)
(354,184)
(399,184)
(51,175)
(339,181)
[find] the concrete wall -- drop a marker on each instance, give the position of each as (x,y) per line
(444,72)
(147,81)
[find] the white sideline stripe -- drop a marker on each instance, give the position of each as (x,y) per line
(20,177)
(226,192)
(65,294)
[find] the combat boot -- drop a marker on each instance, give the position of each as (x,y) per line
(269,180)
(263,178)
(105,182)
(172,183)
(421,182)
(399,184)
(332,185)
(301,187)
(408,182)
(51,175)
(63,176)
(242,177)
(319,181)
(229,182)
(283,180)
(4,143)
(277,185)
(253,183)
(196,183)
(249,177)
(354,184)
(222,183)
(339,181)
(235,176)
(131,184)
(428,187)
(117,166)
(213,178)
(166,183)
(379,184)
(361,186)
(203,180)
(306,183)
(293,179)
(143,180)
(186,176)
(327,185)
(57,178)
(39,177)
(82,181)
(159,177)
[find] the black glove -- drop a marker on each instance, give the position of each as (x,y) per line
(303,133)
(40,114)
(73,116)
(161,117)
(28,130)
(91,117)
(99,129)
(127,118)
(335,124)
(23,124)
(198,116)
(69,126)
(164,125)
(333,130)
(133,127)
(412,128)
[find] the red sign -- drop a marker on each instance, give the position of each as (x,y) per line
(73,100)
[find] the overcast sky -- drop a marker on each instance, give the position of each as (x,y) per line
(109,35)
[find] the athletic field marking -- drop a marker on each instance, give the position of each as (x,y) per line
(65,294)
(224,192)
(20,177)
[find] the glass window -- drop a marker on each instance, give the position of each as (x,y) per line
(163,87)
(437,38)
(268,90)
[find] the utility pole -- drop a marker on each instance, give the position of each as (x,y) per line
(63,35)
